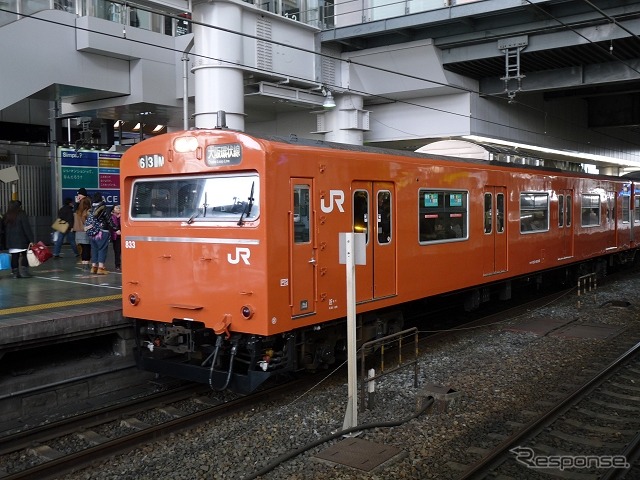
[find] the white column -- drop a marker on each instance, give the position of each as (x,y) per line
(615,171)
(341,120)
(217,58)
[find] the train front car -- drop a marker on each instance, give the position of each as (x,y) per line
(194,259)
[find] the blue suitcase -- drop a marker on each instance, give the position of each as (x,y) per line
(5,261)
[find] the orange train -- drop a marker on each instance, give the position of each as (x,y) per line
(231,244)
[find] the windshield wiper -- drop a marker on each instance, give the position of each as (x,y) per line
(192,217)
(247,208)
(197,212)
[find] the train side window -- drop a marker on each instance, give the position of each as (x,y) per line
(384,217)
(534,212)
(361,213)
(636,208)
(488,214)
(626,205)
(590,210)
(301,218)
(442,216)
(569,210)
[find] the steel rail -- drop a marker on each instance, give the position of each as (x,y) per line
(73,462)
(497,456)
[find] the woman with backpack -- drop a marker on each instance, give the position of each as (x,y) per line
(97,227)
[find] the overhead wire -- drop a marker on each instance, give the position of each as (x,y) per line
(595,44)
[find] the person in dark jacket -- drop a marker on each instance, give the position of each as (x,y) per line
(66,213)
(18,236)
(100,241)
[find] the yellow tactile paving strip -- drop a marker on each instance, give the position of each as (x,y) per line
(66,303)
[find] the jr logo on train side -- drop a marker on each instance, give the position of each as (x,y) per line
(242,253)
(335,196)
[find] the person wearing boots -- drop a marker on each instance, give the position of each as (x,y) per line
(99,241)
(18,236)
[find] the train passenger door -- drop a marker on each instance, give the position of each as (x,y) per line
(565,222)
(303,261)
(372,206)
(495,230)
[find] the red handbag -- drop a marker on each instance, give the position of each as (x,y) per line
(41,251)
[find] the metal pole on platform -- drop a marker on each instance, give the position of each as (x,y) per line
(353,251)
(351,416)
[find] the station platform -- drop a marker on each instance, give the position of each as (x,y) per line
(61,301)
(62,337)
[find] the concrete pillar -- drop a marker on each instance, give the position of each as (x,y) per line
(217,59)
(615,171)
(107,133)
(345,121)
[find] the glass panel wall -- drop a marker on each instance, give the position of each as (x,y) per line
(324,14)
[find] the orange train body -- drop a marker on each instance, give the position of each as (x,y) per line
(230,242)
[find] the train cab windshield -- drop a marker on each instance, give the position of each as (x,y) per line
(212,198)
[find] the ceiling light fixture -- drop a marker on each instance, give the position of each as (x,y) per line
(329,102)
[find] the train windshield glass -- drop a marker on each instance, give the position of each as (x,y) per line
(211,198)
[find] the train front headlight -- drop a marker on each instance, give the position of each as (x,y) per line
(185,144)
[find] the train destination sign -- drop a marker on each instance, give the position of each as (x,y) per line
(227,154)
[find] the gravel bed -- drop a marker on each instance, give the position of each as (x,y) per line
(498,372)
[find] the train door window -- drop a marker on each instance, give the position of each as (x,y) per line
(534,212)
(442,216)
(361,213)
(561,210)
(301,210)
(487,213)
(384,217)
(569,209)
(500,212)
(636,208)
(611,207)
(626,204)
(590,210)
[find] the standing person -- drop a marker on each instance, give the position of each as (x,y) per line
(82,239)
(66,213)
(80,194)
(99,240)
(18,236)
(115,235)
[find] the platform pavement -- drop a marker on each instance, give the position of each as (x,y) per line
(61,301)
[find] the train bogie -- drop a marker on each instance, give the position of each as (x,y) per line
(231,244)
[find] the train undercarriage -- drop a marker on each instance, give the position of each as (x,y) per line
(241,363)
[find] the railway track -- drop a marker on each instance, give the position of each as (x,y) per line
(51,450)
(591,433)
(70,445)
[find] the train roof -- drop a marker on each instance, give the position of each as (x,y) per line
(295,140)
